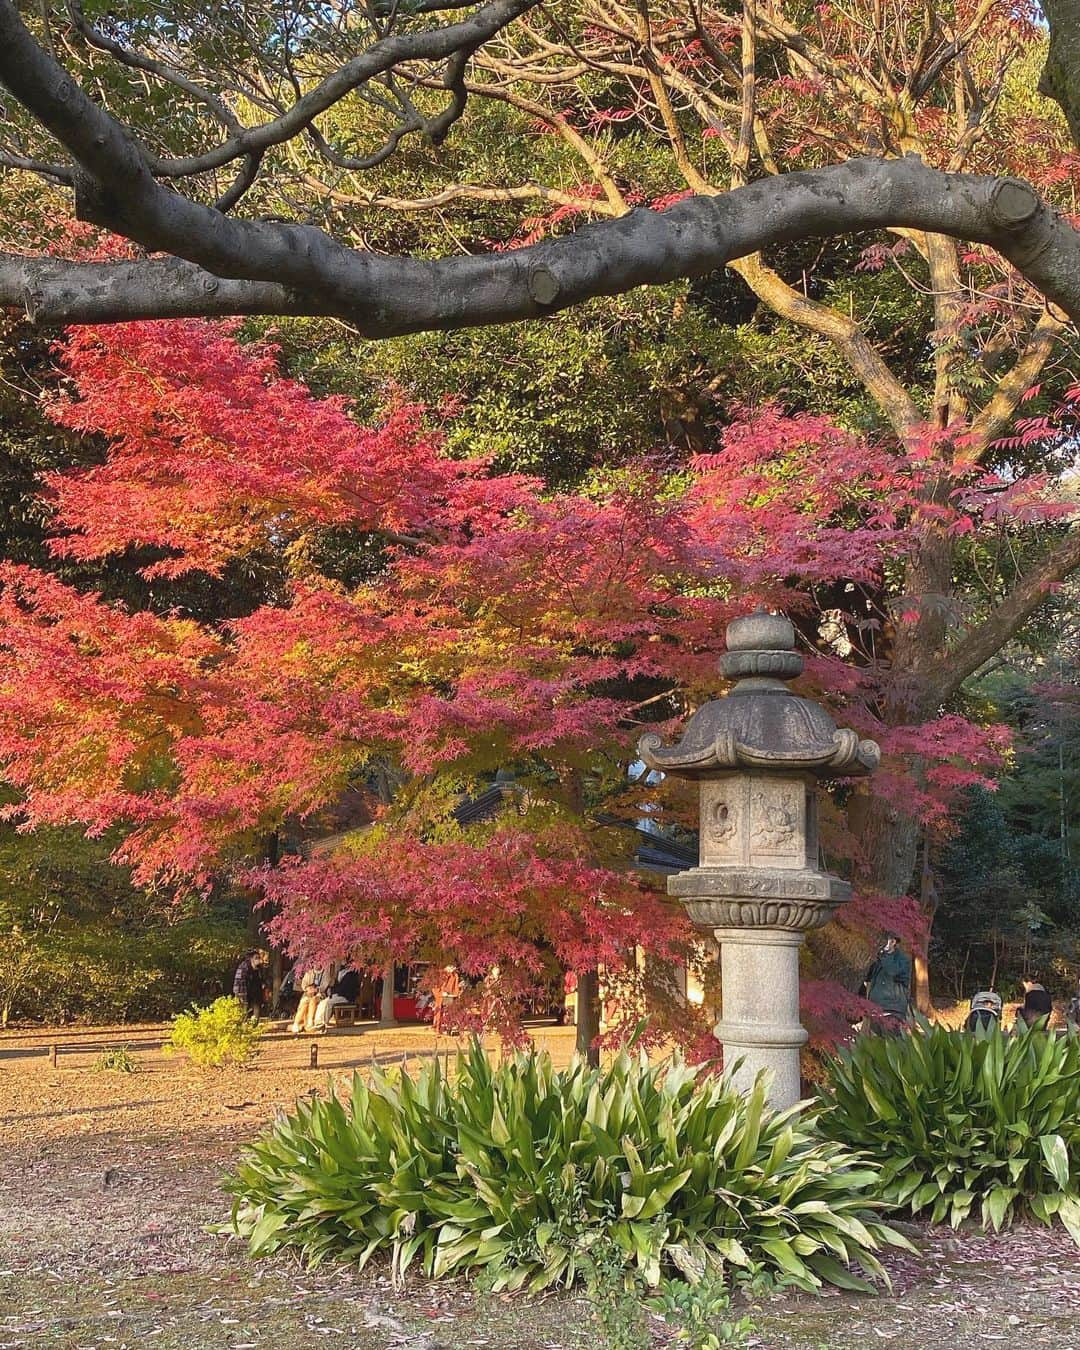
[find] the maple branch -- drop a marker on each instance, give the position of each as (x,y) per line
(457,192)
(890,395)
(563,128)
(984,642)
(943,264)
(1011,388)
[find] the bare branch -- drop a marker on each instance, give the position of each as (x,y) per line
(474,192)
(140,61)
(244,179)
(888,393)
(437,44)
(59,173)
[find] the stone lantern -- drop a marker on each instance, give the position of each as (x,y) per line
(757,754)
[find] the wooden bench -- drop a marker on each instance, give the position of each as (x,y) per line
(344,1014)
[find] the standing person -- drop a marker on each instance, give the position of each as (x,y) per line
(249,984)
(888,981)
(447,988)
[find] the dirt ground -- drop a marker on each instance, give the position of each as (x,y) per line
(108,1182)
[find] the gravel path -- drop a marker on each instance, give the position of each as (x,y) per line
(108,1183)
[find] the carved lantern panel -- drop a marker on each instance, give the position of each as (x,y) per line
(756,820)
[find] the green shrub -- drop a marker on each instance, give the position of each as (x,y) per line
(110,972)
(220,1034)
(527,1173)
(78,941)
(958,1121)
(699,1314)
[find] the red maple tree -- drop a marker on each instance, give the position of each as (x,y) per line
(502,624)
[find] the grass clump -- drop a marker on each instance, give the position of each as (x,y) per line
(219,1034)
(963,1123)
(116,1059)
(533,1176)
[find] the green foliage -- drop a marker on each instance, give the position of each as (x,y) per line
(116,1059)
(615,1295)
(699,1313)
(109,970)
(78,941)
(963,1123)
(1009,887)
(520,1171)
(217,1035)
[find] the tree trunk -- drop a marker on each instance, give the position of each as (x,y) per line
(920,965)
(588,1015)
(928,900)
(386,1008)
(888,844)
(888,838)
(276,976)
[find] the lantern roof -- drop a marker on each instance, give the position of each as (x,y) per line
(760,724)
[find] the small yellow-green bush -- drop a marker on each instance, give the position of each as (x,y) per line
(220,1034)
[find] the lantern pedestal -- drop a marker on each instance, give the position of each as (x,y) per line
(760,1022)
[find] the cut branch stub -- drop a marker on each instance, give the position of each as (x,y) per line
(543,285)
(1013,203)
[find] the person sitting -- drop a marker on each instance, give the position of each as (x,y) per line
(308,1005)
(1037,1007)
(985,1011)
(344,990)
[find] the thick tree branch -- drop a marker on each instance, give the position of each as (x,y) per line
(985,641)
(53,292)
(299,269)
(1061,75)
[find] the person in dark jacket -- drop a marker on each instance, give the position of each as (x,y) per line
(249,985)
(888,981)
(985,1011)
(1037,1007)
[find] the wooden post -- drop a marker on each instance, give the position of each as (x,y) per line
(314,1055)
(52,1055)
